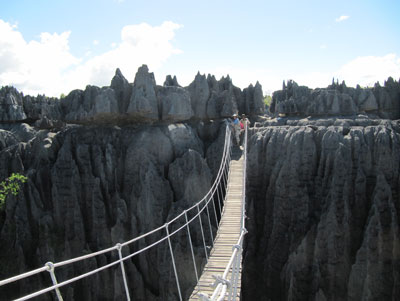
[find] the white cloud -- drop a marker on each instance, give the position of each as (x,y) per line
(95,42)
(367,70)
(342,18)
(33,66)
(323,46)
(47,66)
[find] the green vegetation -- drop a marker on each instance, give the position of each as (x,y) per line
(62,96)
(267,100)
(10,185)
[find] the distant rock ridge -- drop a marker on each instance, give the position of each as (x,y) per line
(140,101)
(338,99)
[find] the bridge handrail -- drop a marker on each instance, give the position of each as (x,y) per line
(49,266)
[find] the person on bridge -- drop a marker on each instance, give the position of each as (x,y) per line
(236,128)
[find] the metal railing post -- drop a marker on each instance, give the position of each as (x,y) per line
(173,262)
(219,201)
(202,232)
(119,248)
(50,267)
(209,223)
(191,247)
(215,211)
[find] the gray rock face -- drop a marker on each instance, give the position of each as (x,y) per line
(93,104)
(7,139)
(92,187)
(199,94)
(11,105)
(253,103)
(143,104)
(221,99)
(338,100)
(175,104)
(171,81)
(190,178)
(227,104)
(105,102)
(214,153)
(323,207)
(42,106)
(183,137)
(123,90)
(23,132)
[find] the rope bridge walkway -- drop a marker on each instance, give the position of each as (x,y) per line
(225,198)
(229,238)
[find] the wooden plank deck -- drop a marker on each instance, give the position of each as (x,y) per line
(228,232)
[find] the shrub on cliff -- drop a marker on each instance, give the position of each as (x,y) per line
(10,185)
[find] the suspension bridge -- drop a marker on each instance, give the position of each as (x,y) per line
(221,276)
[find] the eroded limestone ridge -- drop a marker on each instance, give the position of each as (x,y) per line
(140,101)
(323,205)
(91,187)
(338,99)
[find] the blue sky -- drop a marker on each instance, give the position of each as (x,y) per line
(53,47)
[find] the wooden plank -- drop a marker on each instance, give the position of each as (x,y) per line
(227,234)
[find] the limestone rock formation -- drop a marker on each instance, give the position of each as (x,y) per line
(175,104)
(221,99)
(11,104)
(253,100)
(199,94)
(42,107)
(338,100)
(190,178)
(123,90)
(93,104)
(143,104)
(92,187)
(171,81)
(323,207)
(184,137)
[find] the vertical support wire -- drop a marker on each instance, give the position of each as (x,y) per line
(229,160)
(227,169)
(191,246)
(225,177)
(202,232)
(119,248)
(209,223)
(50,267)
(219,200)
(215,211)
(173,263)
